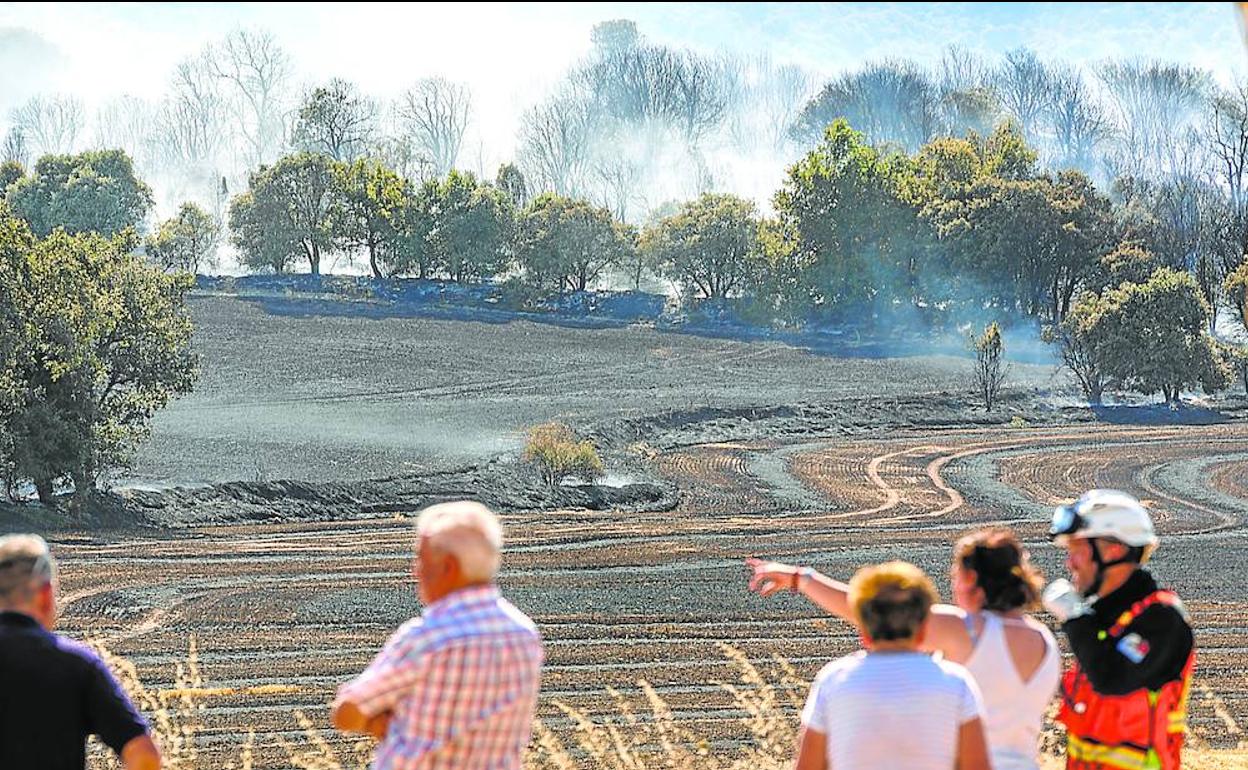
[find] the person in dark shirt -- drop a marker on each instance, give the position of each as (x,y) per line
(1125,699)
(55,692)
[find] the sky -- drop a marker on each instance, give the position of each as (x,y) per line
(509,52)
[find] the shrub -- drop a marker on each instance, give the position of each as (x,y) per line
(558,455)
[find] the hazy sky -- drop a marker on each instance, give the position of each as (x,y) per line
(509,51)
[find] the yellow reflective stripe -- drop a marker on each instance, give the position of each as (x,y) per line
(1111,756)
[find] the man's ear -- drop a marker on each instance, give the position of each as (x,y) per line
(45,603)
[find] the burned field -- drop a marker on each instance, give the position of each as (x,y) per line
(760,467)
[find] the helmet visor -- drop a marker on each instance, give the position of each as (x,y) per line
(1066,521)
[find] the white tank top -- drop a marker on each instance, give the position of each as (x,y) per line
(1014,708)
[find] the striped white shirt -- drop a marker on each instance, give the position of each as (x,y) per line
(882,710)
(462,681)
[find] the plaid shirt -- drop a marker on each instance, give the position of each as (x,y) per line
(461,681)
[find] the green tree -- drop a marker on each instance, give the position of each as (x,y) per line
(566,244)
(187,241)
(1152,337)
(513,184)
(860,242)
(105,342)
(1129,262)
(1236,289)
(288,212)
(472,227)
(989,372)
(369,215)
(710,247)
(1079,347)
(10,172)
(96,192)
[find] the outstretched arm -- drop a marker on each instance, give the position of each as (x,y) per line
(769,577)
(946,629)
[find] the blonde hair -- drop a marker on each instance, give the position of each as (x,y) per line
(468,531)
(891,601)
(26,565)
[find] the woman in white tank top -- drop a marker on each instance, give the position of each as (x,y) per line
(1013,657)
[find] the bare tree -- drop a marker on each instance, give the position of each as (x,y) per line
(50,124)
(434,114)
(1226,135)
(891,102)
(336,120)
(192,122)
(127,123)
(1025,86)
(15,148)
(555,144)
(1075,120)
(1154,104)
(258,73)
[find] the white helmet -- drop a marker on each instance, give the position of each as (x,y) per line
(1106,513)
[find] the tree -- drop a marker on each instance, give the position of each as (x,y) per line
(615,37)
(257,72)
(471,227)
(1025,87)
(1236,288)
(130,124)
(96,191)
(10,172)
(369,215)
(336,120)
(710,247)
(51,124)
(1154,104)
(893,102)
(1153,336)
(555,144)
(1129,262)
(858,243)
(566,244)
(510,180)
(193,120)
(1078,346)
(1075,119)
(107,342)
(287,212)
(989,372)
(15,148)
(434,114)
(557,453)
(187,241)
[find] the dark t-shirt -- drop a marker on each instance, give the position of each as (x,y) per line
(1151,651)
(54,693)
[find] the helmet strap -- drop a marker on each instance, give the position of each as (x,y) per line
(1133,556)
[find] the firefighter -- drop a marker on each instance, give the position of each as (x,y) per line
(1125,697)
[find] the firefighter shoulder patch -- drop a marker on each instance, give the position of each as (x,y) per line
(1133,647)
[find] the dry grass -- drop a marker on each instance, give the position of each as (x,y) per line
(641,734)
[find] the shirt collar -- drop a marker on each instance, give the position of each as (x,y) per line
(17,619)
(456,599)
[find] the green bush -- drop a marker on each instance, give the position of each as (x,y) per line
(558,455)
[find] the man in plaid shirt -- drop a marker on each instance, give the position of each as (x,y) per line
(457,686)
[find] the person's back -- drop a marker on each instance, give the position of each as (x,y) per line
(54,693)
(1016,664)
(457,686)
(481,662)
(891,710)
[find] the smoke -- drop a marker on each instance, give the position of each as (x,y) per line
(128,66)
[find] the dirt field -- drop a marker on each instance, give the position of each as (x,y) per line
(620,596)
